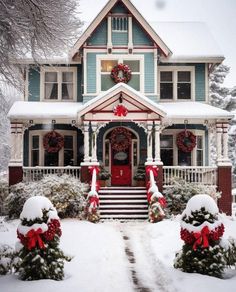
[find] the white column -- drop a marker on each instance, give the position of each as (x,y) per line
(157,126)
(219,132)
(225,142)
(130,33)
(17,133)
(86,142)
(149,142)
(94,141)
(109,33)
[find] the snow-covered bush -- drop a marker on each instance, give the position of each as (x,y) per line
(201,230)
(3,193)
(156,204)
(39,234)
(6,259)
(180,191)
(66,193)
(230,251)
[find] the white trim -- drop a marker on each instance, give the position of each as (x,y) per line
(130,32)
(59,71)
(41,133)
(175,70)
(109,32)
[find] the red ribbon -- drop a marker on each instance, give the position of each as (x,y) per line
(154,169)
(201,238)
(149,195)
(94,200)
(120,110)
(34,238)
(92,168)
(162,202)
(148,185)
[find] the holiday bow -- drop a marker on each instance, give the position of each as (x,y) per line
(149,195)
(92,168)
(34,238)
(154,169)
(120,110)
(201,238)
(94,200)
(162,202)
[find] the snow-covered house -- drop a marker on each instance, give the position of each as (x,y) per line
(130,92)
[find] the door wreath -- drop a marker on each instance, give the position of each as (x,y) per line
(53,142)
(121,73)
(186,141)
(120,139)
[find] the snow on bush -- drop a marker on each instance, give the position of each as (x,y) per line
(66,193)
(3,192)
(6,259)
(39,233)
(201,230)
(180,191)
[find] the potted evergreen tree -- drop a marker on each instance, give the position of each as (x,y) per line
(140,175)
(103,176)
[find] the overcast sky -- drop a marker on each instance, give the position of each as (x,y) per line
(220,16)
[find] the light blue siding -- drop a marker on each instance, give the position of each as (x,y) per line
(119,8)
(120,38)
(34,85)
(149,85)
(91,73)
(140,37)
(200,86)
(99,36)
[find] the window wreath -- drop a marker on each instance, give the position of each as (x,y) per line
(120,139)
(53,142)
(186,141)
(121,73)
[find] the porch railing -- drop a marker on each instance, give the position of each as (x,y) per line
(205,175)
(36,173)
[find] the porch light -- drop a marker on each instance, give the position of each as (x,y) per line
(185,122)
(31,122)
(53,121)
(73,122)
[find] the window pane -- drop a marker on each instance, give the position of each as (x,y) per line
(107,65)
(167,156)
(50,76)
(166,76)
(51,159)
(184,76)
(135,154)
(166,141)
(199,157)
(184,158)
(35,157)
(135,82)
(51,91)
(134,65)
(68,142)
(35,142)
(199,142)
(166,91)
(107,154)
(106,82)
(67,76)
(67,91)
(184,90)
(68,157)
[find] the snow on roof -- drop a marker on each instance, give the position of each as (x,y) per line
(188,40)
(43,110)
(193,109)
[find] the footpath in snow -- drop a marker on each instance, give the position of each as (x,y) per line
(115,257)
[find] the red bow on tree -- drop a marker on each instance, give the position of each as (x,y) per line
(92,168)
(154,169)
(94,200)
(120,110)
(34,238)
(201,238)
(162,202)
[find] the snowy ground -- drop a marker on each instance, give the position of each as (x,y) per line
(115,257)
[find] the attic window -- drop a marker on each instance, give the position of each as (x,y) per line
(120,23)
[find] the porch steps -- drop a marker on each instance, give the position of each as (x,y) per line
(123,203)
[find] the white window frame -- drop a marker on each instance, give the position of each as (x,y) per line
(120,59)
(174,133)
(41,133)
(59,71)
(175,70)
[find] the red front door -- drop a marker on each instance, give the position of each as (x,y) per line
(121,168)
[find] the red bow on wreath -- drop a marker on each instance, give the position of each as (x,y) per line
(94,200)
(120,110)
(92,168)
(154,169)
(34,238)
(201,238)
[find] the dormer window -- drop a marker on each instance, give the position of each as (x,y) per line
(120,23)
(58,83)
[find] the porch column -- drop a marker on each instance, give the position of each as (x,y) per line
(94,141)
(86,142)
(149,142)
(157,126)
(16,161)
(219,132)
(225,142)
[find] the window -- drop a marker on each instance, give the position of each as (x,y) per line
(167,151)
(68,151)
(58,83)
(120,23)
(199,147)
(176,83)
(184,158)
(35,150)
(107,65)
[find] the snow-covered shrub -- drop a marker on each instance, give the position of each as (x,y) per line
(6,259)
(3,193)
(66,193)
(230,251)
(39,233)
(156,204)
(201,230)
(180,191)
